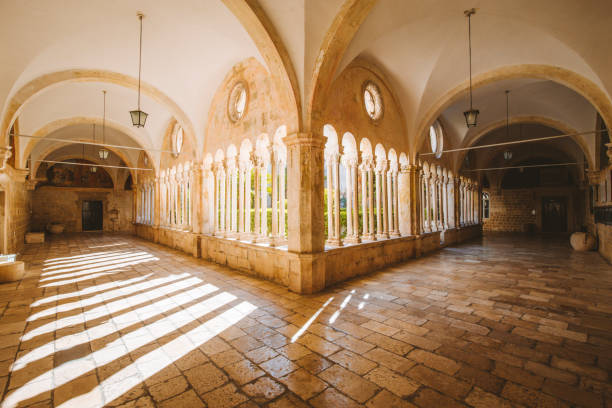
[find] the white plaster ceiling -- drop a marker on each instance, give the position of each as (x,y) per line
(188,48)
(422,46)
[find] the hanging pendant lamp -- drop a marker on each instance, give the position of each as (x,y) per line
(139,117)
(103,153)
(471,115)
(92,169)
(507,153)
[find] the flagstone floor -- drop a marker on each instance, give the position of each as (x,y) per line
(110,320)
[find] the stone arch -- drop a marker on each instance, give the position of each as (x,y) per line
(37,85)
(540,120)
(336,40)
(393,164)
(65,122)
(331,144)
(365,147)
(349,145)
(34,167)
(576,82)
(380,152)
(268,42)
(280,149)
(95,161)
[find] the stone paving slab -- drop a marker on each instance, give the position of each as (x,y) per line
(112,320)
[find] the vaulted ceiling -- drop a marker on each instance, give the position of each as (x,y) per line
(59,56)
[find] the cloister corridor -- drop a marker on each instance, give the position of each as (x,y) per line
(114,320)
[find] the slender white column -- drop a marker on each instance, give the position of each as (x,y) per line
(264,200)
(379,230)
(282,198)
(275,200)
(247,197)
(364,201)
(352,205)
(355,211)
(234,199)
(330,214)
(427,194)
(257,198)
(349,197)
(241,196)
(371,202)
(385,202)
(395,232)
(223,204)
(390,202)
(336,172)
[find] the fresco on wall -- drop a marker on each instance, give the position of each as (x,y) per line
(66,175)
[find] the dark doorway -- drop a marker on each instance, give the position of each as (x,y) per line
(92,215)
(554,214)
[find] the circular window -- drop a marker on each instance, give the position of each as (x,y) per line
(435,139)
(372,101)
(237,102)
(177,141)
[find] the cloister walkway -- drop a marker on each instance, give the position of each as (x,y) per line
(111,320)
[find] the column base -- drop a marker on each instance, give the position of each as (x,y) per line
(368,237)
(334,242)
(259,239)
(395,235)
(352,240)
(382,236)
(278,241)
(307,273)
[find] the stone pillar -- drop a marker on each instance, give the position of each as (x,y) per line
(383,209)
(371,232)
(330,200)
(305,198)
(352,206)
(336,187)
(247,198)
(364,200)
(282,199)
(395,232)
(349,198)
(427,192)
(405,203)
(241,196)
(275,201)
(379,229)
(457,201)
(256,198)
(420,193)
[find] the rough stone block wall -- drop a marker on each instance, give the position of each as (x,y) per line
(18,217)
(64,205)
(510,211)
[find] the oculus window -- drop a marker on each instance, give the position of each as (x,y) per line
(237,102)
(436,139)
(372,101)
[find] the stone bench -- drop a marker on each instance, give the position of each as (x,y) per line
(35,237)
(11,271)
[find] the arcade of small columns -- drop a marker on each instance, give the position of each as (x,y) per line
(374,184)
(236,183)
(238,187)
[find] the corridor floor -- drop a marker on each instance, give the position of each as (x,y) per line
(108,320)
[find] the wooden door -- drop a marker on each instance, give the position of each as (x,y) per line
(554,214)
(92,215)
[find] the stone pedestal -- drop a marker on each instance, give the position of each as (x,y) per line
(11,271)
(582,241)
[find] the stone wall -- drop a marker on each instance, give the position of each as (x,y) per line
(64,205)
(19,207)
(512,209)
(185,241)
